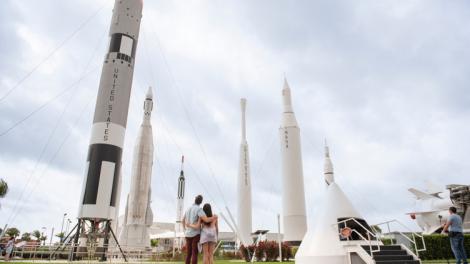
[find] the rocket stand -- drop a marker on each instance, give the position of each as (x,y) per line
(93,234)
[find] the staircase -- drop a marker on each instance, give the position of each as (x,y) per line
(394,254)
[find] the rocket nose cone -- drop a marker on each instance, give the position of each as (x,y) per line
(149,94)
(286,84)
(243,103)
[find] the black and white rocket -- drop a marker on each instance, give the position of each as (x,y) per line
(138,216)
(293,195)
(180,206)
(244,184)
(100,194)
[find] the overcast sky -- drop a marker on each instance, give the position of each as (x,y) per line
(386,82)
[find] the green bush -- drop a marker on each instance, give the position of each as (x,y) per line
(293,252)
(438,247)
(389,241)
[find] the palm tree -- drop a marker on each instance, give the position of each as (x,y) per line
(26,236)
(36,234)
(60,235)
(13,232)
(3,188)
(43,239)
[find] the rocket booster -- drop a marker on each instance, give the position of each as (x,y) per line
(293,195)
(244,184)
(102,176)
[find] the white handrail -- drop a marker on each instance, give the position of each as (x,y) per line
(413,234)
(369,233)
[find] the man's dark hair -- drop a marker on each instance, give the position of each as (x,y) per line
(198,199)
(453,209)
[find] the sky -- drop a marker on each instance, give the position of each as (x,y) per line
(385,82)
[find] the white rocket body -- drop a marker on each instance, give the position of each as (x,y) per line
(293,195)
(100,191)
(244,186)
(139,216)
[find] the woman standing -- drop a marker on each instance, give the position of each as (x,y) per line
(209,233)
(9,248)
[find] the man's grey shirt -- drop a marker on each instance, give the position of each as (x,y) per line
(455,223)
(191,216)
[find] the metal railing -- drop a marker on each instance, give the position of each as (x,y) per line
(413,235)
(370,235)
(91,253)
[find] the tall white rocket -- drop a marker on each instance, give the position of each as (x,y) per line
(244,184)
(293,196)
(138,215)
(180,204)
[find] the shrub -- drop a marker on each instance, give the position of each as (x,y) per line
(389,241)
(260,251)
(272,250)
(287,252)
(266,251)
(438,247)
(246,252)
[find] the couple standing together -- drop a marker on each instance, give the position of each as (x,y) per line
(200,228)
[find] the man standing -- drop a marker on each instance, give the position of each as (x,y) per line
(193,235)
(454,226)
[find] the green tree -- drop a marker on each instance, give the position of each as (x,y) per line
(26,236)
(13,232)
(376,229)
(153,242)
(36,234)
(3,188)
(60,235)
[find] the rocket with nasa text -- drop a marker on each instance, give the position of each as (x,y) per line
(293,194)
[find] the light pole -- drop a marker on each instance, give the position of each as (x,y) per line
(279,236)
(52,235)
(62,228)
(67,227)
(42,235)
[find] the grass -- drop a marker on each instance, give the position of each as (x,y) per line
(235,261)
(224,262)
(438,261)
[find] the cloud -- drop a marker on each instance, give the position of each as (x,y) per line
(385,82)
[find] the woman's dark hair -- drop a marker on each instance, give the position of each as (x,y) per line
(453,210)
(198,199)
(208,211)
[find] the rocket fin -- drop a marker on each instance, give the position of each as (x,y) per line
(149,213)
